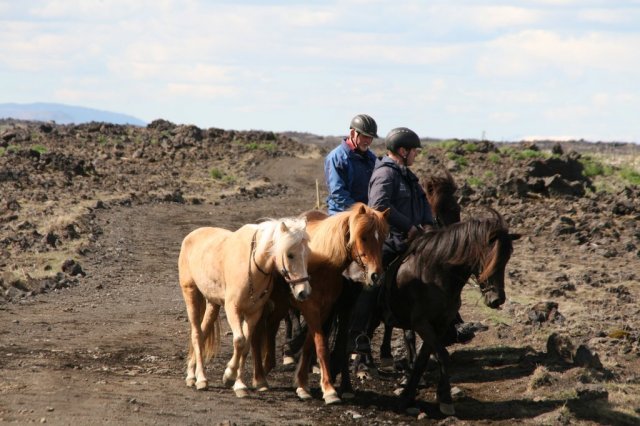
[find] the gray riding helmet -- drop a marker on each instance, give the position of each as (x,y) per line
(364,124)
(402,137)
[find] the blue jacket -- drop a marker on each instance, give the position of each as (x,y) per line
(347,175)
(396,187)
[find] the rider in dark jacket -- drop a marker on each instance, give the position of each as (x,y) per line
(393,185)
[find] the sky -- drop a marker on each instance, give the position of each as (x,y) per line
(499,70)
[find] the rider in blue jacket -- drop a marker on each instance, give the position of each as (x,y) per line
(348,167)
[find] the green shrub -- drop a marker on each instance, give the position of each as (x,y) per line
(630,175)
(1,151)
(494,157)
(460,160)
(527,154)
(39,148)
(470,147)
(594,168)
(215,173)
(446,144)
(474,181)
(229,179)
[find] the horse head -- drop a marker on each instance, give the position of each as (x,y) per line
(440,191)
(499,249)
(291,250)
(368,229)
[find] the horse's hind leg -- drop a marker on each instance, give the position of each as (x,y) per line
(195,366)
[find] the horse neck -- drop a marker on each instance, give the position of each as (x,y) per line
(328,244)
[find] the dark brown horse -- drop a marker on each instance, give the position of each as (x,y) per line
(440,192)
(425,294)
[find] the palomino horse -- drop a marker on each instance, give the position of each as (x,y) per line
(425,294)
(236,269)
(440,192)
(336,241)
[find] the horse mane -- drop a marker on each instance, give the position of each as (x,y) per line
(334,235)
(464,243)
(273,239)
(437,188)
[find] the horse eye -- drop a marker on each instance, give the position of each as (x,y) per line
(364,239)
(289,256)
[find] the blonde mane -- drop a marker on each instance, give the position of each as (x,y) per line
(276,242)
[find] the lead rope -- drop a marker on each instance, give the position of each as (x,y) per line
(252,258)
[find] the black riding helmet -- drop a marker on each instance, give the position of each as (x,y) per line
(402,137)
(364,124)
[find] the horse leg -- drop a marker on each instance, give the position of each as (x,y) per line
(248,327)
(409,393)
(235,323)
(386,358)
(329,393)
(287,354)
(409,337)
(302,370)
(340,355)
(260,334)
(445,400)
(195,366)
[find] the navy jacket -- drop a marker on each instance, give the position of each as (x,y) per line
(396,187)
(347,176)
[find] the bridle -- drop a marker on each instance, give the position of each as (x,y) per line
(284,271)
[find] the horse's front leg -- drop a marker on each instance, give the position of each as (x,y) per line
(248,328)
(329,393)
(443,393)
(235,320)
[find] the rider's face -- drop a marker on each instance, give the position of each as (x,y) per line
(361,141)
(411,155)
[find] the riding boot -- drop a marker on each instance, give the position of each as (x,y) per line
(458,333)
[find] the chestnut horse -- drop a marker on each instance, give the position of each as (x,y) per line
(336,241)
(236,269)
(423,293)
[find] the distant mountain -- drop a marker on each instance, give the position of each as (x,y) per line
(64,114)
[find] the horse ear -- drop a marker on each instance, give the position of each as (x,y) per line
(362,209)
(283,227)
(385,214)
(515,236)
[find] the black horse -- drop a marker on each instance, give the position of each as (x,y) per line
(423,292)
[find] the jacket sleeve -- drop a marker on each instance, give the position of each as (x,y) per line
(335,173)
(382,186)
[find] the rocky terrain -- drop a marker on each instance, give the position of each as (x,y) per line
(93,327)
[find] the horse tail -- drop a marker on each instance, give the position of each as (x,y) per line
(212,333)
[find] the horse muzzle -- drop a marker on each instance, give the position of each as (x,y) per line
(300,288)
(494,299)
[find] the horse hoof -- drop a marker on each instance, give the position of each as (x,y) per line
(191,382)
(288,360)
(331,398)
(262,387)
(348,395)
(228,379)
(303,394)
(315,369)
(241,393)
(202,385)
(447,409)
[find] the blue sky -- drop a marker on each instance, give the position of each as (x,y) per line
(508,70)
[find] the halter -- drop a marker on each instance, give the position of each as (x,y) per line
(285,273)
(357,258)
